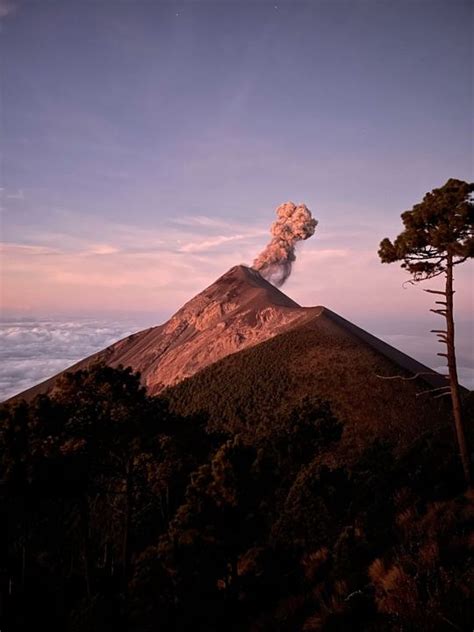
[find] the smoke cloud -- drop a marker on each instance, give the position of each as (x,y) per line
(294,223)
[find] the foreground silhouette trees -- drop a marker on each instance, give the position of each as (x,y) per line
(90,469)
(438,235)
(125,516)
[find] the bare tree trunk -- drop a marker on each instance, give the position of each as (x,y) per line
(453,373)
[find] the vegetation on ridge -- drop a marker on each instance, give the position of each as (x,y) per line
(253,390)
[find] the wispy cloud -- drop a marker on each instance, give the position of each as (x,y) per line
(209,244)
(149,269)
(174,235)
(12,249)
(102,249)
(16,195)
(200,220)
(215,223)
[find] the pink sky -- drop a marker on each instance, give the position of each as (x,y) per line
(156,271)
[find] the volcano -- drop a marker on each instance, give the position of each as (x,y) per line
(238,311)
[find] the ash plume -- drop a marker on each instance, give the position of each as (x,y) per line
(295,223)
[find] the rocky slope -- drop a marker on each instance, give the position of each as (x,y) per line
(239,310)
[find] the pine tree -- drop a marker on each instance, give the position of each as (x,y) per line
(438,235)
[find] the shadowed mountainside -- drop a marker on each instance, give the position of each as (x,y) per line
(326,357)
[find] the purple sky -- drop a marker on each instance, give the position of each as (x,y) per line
(145,146)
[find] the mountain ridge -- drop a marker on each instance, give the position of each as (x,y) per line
(239,310)
(374,389)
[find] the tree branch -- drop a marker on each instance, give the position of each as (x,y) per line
(405,379)
(443,292)
(433,390)
(442,394)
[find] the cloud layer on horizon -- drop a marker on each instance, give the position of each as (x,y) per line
(34,350)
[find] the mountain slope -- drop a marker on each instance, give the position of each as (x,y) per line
(239,310)
(324,357)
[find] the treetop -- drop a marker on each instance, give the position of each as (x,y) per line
(440,226)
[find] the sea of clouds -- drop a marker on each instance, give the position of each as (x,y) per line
(31,350)
(423,346)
